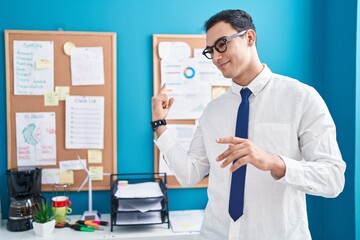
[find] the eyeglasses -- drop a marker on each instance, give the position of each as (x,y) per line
(220,45)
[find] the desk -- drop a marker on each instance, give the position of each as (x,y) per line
(146,232)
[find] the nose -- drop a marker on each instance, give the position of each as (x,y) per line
(216,57)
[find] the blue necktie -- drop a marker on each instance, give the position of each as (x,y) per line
(236,202)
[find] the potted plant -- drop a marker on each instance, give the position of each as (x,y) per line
(43,220)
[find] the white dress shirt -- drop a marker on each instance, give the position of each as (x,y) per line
(287,118)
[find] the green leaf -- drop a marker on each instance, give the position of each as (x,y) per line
(42,212)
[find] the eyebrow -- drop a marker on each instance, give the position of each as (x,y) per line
(217,40)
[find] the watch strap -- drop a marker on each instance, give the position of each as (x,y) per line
(157,123)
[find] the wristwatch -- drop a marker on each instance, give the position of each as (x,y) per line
(157,123)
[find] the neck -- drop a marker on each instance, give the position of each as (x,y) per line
(250,73)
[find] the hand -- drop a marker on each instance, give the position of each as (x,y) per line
(161,104)
(247,152)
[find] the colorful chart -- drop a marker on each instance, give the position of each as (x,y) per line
(189,72)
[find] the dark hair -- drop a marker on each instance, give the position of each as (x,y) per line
(238,19)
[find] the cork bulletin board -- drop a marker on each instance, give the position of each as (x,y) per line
(195,41)
(20,103)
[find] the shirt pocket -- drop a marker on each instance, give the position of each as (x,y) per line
(273,137)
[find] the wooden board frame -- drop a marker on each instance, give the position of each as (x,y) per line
(195,41)
(62,77)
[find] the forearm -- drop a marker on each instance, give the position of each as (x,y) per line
(320,178)
(188,168)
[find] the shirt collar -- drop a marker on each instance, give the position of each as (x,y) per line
(255,85)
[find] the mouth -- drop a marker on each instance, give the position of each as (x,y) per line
(221,65)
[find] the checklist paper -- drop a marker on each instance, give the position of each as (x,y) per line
(84,122)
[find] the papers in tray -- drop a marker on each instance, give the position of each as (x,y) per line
(139,190)
(142,204)
(186,221)
(136,218)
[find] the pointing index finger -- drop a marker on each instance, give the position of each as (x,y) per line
(230,140)
(165,89)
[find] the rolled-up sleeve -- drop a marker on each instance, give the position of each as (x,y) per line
(321,172)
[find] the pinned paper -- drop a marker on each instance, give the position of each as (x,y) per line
(51,99)
(50,176)
(42,64)
(94,156)
(96,173)
(174,50)
(63,92)
(66,177)
(72,165)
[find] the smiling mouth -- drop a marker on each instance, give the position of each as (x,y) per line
(222,65)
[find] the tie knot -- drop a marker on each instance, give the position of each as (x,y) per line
(245,93)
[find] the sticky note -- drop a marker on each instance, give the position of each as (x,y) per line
(51,99)
(94,156)
(67,177)
(96,173)
(42,64)
(63,92)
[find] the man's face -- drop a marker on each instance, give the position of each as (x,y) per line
(235,59)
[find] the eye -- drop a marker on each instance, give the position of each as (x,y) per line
(221,44)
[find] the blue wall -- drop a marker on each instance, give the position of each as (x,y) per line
(357,126)
(304,39)
(339,92)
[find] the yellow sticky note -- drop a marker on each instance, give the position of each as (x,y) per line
(67,177)
(63,92)
(51,99)
(94,156)
(96,173)
(42,64)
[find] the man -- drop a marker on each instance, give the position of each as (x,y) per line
(289,148)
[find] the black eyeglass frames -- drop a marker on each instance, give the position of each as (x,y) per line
(220,45)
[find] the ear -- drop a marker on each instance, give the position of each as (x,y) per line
(251,37)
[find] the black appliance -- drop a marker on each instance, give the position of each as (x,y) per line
(24,189)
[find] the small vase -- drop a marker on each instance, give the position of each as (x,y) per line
(44,229)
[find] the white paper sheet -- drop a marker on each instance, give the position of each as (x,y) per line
(174,50)
(35,138)
(135,218)
(84,122)
(33,67)
(139,190)
(190,93)
(186,221)
(72,165)
(142,204)
(50,175)
(87,66)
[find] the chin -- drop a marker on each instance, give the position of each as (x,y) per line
(227,75)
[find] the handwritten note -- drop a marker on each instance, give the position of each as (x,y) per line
(96,173)
(33,67)
(50,175)
(36,138)
(94,156)
(63,92)
(87,66)
(67,177)
(51,99)
(84,122)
